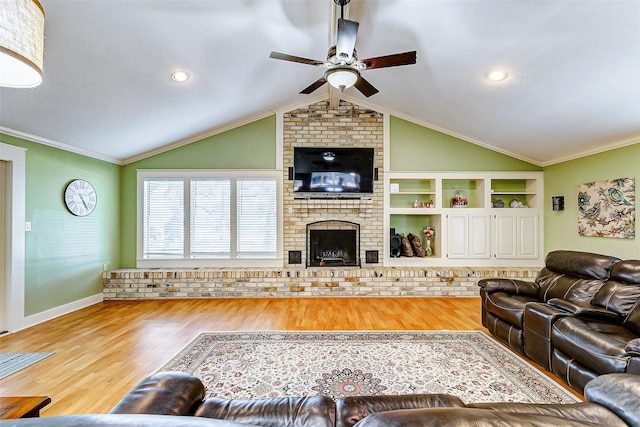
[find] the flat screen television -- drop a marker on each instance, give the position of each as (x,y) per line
(333,172)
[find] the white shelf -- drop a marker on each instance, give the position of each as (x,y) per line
(477,219)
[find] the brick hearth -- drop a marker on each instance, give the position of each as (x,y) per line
(300,282)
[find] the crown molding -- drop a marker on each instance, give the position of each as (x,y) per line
(56,144)
(600,149)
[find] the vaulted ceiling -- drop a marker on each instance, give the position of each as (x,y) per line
(573,84)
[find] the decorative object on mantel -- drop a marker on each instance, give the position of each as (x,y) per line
(498,203)
(429,233)
(467,364)
(21,43)
(460,199)
(515,203)
(407,250)
(416,245)
(419,204)
(607,208)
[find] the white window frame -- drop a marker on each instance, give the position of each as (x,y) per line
(234,174)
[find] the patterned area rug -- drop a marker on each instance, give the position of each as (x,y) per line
(10,363)
(468,364)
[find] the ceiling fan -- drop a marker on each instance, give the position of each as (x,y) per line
(343,66)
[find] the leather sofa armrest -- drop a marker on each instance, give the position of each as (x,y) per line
(586,311)
(620,393)
(510,286)
(163,393)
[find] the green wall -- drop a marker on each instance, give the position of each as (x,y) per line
(562,179)
(417,148)
(252,146)
(64,253)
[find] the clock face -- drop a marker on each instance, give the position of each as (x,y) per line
(80,197)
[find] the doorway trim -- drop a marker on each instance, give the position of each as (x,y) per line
(15,175)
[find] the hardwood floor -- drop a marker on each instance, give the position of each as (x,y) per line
(102,351)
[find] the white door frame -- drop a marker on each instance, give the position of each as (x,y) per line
(14,275)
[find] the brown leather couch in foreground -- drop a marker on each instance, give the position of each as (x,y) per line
(579,319)
(178,399)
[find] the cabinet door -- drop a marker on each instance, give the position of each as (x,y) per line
(505,235)
(479,240)
(468,235)
(527,235)
(457,231)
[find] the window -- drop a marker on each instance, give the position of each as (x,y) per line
(209,218)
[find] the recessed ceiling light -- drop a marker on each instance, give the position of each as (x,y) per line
(497,75)
(180,76)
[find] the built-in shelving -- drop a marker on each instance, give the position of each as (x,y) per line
(475,230)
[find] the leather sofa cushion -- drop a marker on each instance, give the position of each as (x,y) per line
(470,417)
(164,393)
(621,395)
(583,411)
(581,264)
(571,288)
(309,411)
(618,297)
(632,321)
(598,345)
(627,271)
(507,307)
(350,410)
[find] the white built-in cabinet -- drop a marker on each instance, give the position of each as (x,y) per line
(475,230)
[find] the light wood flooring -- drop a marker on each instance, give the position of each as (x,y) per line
(102,351)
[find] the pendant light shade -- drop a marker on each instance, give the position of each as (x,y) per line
(21,43)
(341,77)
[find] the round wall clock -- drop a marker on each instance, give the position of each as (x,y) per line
(80,197)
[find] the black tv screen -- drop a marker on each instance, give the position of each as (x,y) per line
(333,172)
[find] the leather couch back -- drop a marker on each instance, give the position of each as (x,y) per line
(622,292)
(306,411)
(574,276)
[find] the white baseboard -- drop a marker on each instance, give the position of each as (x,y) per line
(59,311)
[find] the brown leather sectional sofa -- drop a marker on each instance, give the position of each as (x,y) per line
(580,318)
(178,399)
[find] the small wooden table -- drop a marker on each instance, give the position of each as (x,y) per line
(22,407)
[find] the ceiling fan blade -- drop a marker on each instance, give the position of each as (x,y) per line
(365,87)
(346,39)
(313,86)
(395,60)
(291,58)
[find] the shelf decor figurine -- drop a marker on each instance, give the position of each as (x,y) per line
(459,199)
(429,233)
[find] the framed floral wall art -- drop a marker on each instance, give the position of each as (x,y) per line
(607,208)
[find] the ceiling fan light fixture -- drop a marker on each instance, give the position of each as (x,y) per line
(21,43)
(342,77)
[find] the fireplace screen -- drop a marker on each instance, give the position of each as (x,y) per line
(333,243)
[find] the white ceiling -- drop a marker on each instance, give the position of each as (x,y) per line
(573,86)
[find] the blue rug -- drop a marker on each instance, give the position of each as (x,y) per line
(10,363)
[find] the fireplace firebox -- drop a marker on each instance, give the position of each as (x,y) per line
(333,243)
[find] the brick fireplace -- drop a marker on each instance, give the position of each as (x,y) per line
(318,125)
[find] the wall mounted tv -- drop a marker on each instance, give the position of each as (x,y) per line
(333,172)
